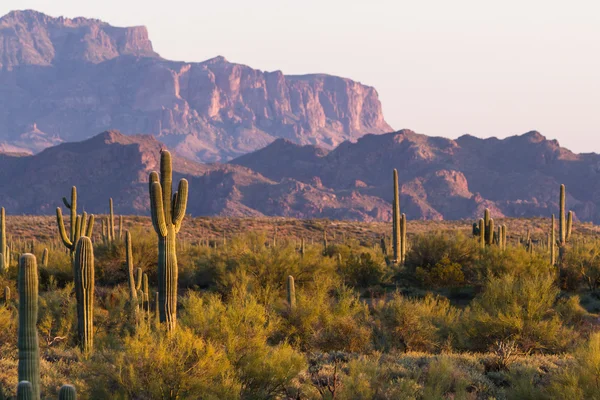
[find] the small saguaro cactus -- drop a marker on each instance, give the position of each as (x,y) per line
(81,225)
(28,342)
(167,215)
(490,232)
(6,295)
(120,227)
(482,233)
(325,243)
(396,216)
(25,391)
(403,241)
(129,262)
(84,288)
(45,258)
(111,221)
(67,392)
(553,241)
(302,247)
(4,250)
(291,292)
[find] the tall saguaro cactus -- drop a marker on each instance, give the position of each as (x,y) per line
(4,250)
(167,215)
(562,223)
(28,344)
(396,216)
(129,260)
(81,225)
(84,287)
(291,292)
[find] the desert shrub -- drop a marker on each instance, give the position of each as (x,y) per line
(409,324)
(517,261)
(156,365)
(581,379)
(518,308)
(57,316)
(371,377)
(444,378)
(581,265)
(436,254)
(364,270)
(443,274)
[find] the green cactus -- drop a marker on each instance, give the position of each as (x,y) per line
(133,301)
(81,225)
(25,391)
(167,215)
(325,243)
(291,292)
(383,246)
(138,279)
(145,291)
(45,258)
(403,241)
(553,242)
(396,224)
(482,233)
(302,247)
(28,344)
(156,309)
(6,295)
(490,232)
(67,392)
(120,227)
(84,288)
(111,221)
(4,250)
(562,231)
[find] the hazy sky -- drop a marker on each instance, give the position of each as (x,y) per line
(488,68)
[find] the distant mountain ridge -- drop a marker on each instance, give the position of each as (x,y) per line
(440,178)
(67,79)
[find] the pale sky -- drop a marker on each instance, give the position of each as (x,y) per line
(443,68)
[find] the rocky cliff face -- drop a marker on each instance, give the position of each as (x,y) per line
(71,78)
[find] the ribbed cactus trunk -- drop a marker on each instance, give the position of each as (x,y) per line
(6,295)
(111,221)
(45,258)
(120,227)
(167,215)
(490,232)
(25,391)
(129,262)
(67,392)
(291,292)
(84,287)
(562,230)
(482,233)
(302,247)
(396,229)
(29,350)
(569,226)
(553,242)
(5,252)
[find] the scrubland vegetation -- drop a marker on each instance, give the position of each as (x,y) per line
(455,320)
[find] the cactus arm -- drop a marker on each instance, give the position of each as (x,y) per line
(90,226)
(66,203)
(181,204)
(129,261)
(166,183)
(67,392)
(83,224)
(73,214)
(61,229)
(157,210)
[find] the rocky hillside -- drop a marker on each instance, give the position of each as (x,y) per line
(68,79)
(440,178)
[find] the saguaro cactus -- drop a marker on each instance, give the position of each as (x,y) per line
(6,295)
(4,250)
(490,232)
(25,391)
(291,292)
(167,216)
(482,233)
(553,242)
(129,262)
(84,287)
(396,216)
(67,392)
(29,350)
(562,231)
(81,225)
(45,258)
(111,221)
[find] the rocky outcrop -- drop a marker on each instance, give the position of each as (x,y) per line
(75,77)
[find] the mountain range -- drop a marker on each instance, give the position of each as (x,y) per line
(440,178)
(68,79)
